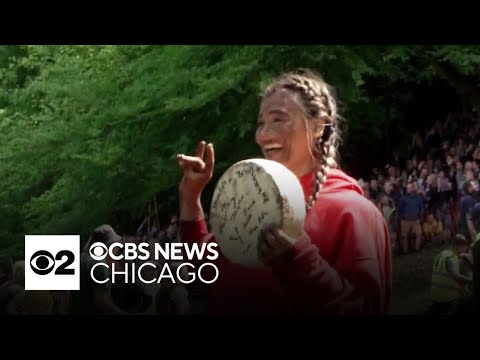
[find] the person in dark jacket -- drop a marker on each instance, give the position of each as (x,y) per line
(410,211)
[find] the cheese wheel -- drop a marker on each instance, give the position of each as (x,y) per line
(250,195)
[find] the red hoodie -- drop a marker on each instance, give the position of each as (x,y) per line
(343,266)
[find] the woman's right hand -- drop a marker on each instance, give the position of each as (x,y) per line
(197,171)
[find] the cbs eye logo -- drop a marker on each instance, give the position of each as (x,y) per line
(42,262)
(98,251)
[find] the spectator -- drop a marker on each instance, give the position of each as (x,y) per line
(410,212)
(469,176)
(449,158)
(95,298)
(171,232)
(388,190)
(416,190)
(469,152)
(444,187)
(366,192)
(433,230)
(374,191)
(430,166)
(475,167)
(446,278)
(413,176)
(391,171)
(422,180)
(380,180)
(468,166)
(444,216)
(476,154)
(432,191)
(387,209)
(466,203)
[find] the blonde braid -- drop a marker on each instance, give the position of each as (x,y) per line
(327,162)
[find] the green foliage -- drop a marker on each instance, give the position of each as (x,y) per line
(91,132)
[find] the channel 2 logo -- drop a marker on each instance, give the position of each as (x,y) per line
(52,262)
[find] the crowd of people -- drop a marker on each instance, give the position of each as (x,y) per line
(425,196)
(431,197)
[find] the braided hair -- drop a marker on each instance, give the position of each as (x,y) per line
(317,100)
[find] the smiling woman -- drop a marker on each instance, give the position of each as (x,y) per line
(340,264)
(296,125)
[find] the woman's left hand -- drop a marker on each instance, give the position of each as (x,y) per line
(275,246)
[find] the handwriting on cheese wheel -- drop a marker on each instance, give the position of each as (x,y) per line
(249,196)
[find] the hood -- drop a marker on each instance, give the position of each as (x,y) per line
(337,180)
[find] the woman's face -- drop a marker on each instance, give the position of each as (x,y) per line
(283,135)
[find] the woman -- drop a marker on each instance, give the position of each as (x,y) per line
(341,263)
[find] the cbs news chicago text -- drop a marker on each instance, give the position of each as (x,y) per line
(53,262)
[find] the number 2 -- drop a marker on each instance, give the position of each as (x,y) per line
(62,269)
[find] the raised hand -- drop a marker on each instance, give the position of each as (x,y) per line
(197,170)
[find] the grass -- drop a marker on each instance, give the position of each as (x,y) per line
(411,282)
